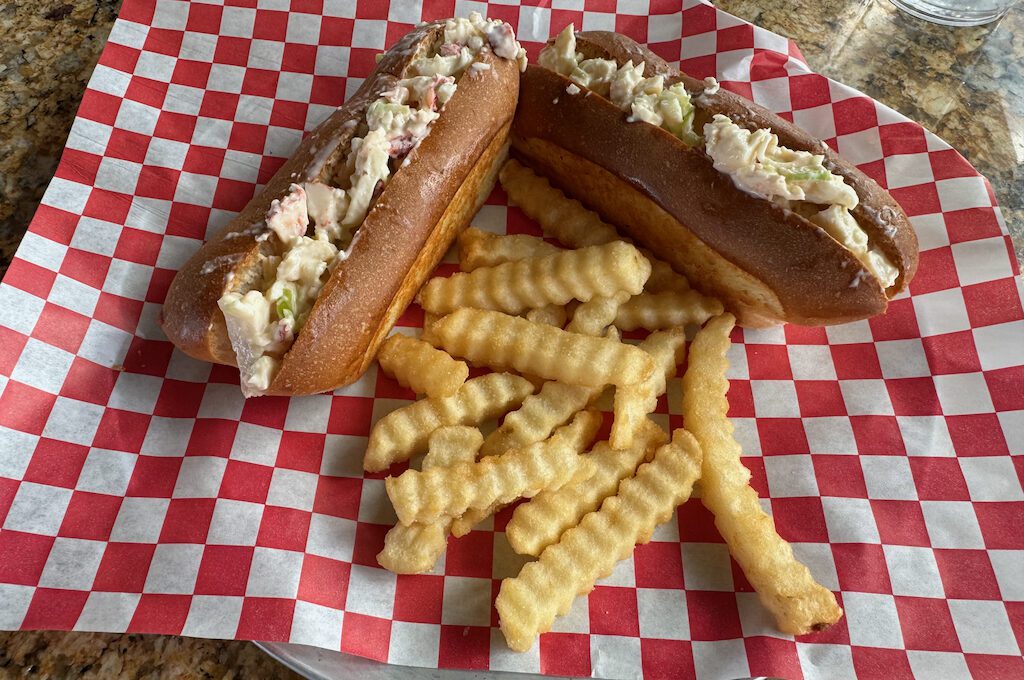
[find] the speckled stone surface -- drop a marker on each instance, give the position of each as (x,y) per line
(967,85)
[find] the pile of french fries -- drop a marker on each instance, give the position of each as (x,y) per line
(547,322)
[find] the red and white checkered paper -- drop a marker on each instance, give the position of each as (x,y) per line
(139,492)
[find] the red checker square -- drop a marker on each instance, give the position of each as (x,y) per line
(872,662)
(261,83)
(902,138)
(175,126)
(992,302)
(8,489)
(820,398)
(245,481)
(219,105)
(563,17)
(146,91)
(32,551)
(366,636)
(898,323)
(782,436)
(854,114)
(1015,610)
(773,657)
(667,659)
(25,408)
(466,647)
(204,18)
(613,611)
(157,182)
(326,90)
(800,519)
(471,555)
(268,166)
(30,278)
(927,624)
(361,61)
(232,51)
(702,67)
(266,619)
(967,574)
(877,435)
(939,479)
(1004,388)
(875,170)
(856,361)
(163,41)
(767,64)
(127,145)
(189,220)
(971,224)
(518,223)
(1000,525)
(90,516)
(56,463)
(412,317)
(52,609)
(56,225)
(861,568)
(211,437)
(951,353)
(758,476)
(388,388)
(658,565)
(395,30)
(920,199)
(350,415)
(339,497)
(187,520)
(977,434)
(840,476)
(805,335)
(301,451)
(247,137)
(419,598)
(900,522)
(266,411)
(713,615)
(937,271)
(947,163)
(270,25)
(107,205)
(565,654)
(324,581)
(914,397)
(735,38)
(159,282)
(699,19)
(224,570)
(179,399)
(120,57)
(154,477)
(139,246)
(124,567)
(808,91)
(992,667)
(741,399)
(372,10)
(120,312)
(204,160)
(635,26)
(191,73)
(307,6)
(160,614)
(337,31)
(150,357)
(768,362)
(283,528)
(120,430)
(504,516)
(697,524)
(11,345)
(299,58)
(99,106)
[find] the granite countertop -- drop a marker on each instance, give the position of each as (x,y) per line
(966,85)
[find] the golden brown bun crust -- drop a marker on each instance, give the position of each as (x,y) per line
(406,232)
(766,263)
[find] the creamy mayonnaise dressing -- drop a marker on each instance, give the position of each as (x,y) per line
(263,322)
(754,160)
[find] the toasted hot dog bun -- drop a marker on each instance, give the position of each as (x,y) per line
(767,264)
(423,206)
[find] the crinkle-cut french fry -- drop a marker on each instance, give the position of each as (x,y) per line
(579,434)
(538,281)
(537,418)
(416,548)
(634,402)
(539,522)
(528,604)
(421,367)
(665,310)
(593,316)
(425,496)
(478,248)
(403,433)
(498,339)
(549,315)
(663,278)
(785,586)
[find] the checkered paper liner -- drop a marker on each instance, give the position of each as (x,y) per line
(139,492)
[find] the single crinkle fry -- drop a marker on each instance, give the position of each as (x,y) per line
(568,221)
(421,367)
(425,496)
(634,402)
(497,339)
(538,281)
(593,316)
(549,315)
(478,248)
(403,433)
(528,604)
(665,310)
(785,586)
(416,548)
(538,417)
(540,521)
(579,434)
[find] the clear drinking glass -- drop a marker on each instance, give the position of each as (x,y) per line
(956,12)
